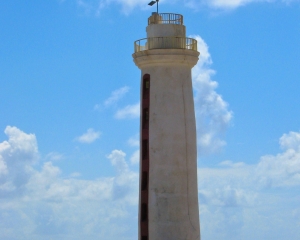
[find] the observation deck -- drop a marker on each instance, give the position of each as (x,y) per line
(165,31)
(165,18)
(165,43)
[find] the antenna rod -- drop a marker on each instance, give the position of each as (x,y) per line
(152,3)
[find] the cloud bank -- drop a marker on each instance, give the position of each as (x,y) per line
(41,204)
(237,201)
(212,114)
(258,201)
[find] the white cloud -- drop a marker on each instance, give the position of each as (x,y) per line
(47,205)
(284,168)
(19,143)
(95,6)
(233,200)
(54,156)
(127,6)
(17,155)
(117,159)
(113,99)
(227,187)
(130,111)
(243,181)
(90,136)
(230,4)
(116,96)
(229,163)
(226,4)
(243,197)
(212,114)
(290,141)
(134,141)
(3,167)
(238,197)
(126,180)
(75,175)
(218,4)
(135,158)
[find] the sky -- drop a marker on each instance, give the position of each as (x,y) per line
(69,117)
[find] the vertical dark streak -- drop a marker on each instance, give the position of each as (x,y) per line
(144,186)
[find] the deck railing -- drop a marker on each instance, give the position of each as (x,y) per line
(165,18)
(165,43)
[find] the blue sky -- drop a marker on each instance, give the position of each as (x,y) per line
(69,122)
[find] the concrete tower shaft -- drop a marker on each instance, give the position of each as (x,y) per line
(168,207)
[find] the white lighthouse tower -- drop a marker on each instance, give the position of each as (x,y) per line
(168,205)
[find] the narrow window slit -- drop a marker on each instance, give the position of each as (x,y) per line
(144,181)
(146,86)
(145,118)
(144,212)
(145,150)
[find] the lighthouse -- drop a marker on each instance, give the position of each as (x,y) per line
(168,199)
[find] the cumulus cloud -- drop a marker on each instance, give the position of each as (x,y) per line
(19,143)
(284,168)
(228,186)
(116,96)
(46,205)
(241,181)
(130,111)
(212,114)
(246,197)
(290,141)
(135,158)
(90,136)
(126,180)
(117,159)
(134,141)
(17,155)
(243,197)
(49,205)
(113,99)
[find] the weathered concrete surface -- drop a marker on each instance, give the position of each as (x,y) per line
(164,57)
(165,30)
